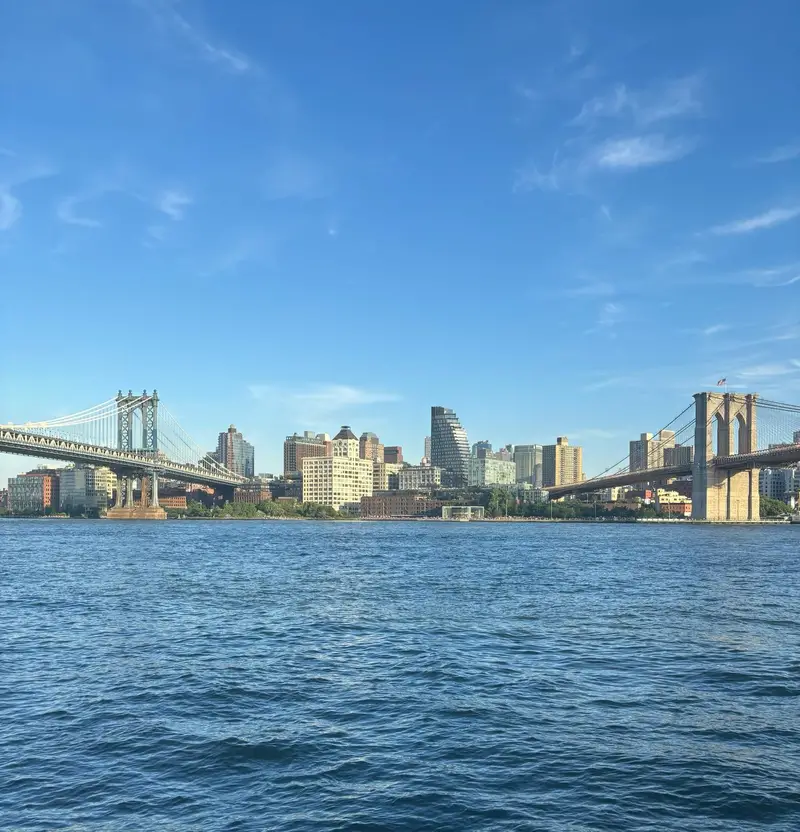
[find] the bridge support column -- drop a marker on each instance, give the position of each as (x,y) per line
(154,490)
(721,494)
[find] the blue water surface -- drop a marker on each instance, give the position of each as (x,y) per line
(398,676)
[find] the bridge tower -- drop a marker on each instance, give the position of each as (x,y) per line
(147,408)
(718,493)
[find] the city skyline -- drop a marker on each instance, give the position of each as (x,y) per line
(602,163)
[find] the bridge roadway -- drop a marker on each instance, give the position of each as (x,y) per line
(129,463)
(784,455)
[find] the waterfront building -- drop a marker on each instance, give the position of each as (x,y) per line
(398,504)
(778,483)
(679,455)
(419,478)
(172,497)
(385,476)
(236,453)
(296,448)
(482,449)
(672,503)
(648,451)
(31,493)
(562,463)
(393,454)
(252,492)
(369,447)
(528,462)
(3,498)
(485,471)
(449,447)
(340,480)
(84,487)
(52,484)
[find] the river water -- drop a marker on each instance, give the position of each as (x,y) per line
(398,676)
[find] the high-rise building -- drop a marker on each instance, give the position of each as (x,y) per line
(393,454)
(449,447)
(339,480)
(505,454)
(296,448)
(679,455)
(490,470)
(528,461)
(796,437)
(235,453)
(482,449)
(369,447)
(427,453)
(52,484)
(562,463)
(86,487)
(648,451)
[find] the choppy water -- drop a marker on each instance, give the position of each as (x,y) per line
(310,676)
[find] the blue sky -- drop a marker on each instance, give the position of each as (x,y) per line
(558,217)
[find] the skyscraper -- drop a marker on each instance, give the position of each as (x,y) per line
(449,447)
(393,454)
(427,453)
(296,448)
(562,463)
(370,447)
(482,449)
(648,451)
(235,453)
(528,459)
(340,480)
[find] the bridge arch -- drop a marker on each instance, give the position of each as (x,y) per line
(718,493)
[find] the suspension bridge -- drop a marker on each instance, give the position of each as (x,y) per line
(133,435)
(721,440)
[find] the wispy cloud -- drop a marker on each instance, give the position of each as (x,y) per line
(10,210)
(172,203)
(319,401)
(715,329)
(165,14)
(675,99)
(771,278)
(591,288)
(785,153)
(66,212)
(783,368)
(293,176)
(775,216)
(638,152)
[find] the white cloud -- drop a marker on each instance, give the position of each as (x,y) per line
(10,210)
(318,401)
(65,210)
(715,329)
(638,152)
(164,13)
(172,203)
(775,216)
(591,288)
(673,100)
(770,370)
(292,176)
(610,315)
(781,154)
(772,278)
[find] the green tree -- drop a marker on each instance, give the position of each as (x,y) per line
(773,508)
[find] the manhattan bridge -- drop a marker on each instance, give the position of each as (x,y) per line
(133,435)
(732,435)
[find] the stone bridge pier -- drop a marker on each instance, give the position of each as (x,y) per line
(720,493)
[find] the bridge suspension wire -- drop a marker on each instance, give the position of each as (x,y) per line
(183,444)
(623,465)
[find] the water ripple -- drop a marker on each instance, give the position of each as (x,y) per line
(301,676)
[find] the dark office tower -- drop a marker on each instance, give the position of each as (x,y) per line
(449,447)
(235,453)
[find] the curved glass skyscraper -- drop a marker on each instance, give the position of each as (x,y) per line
(449,447)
